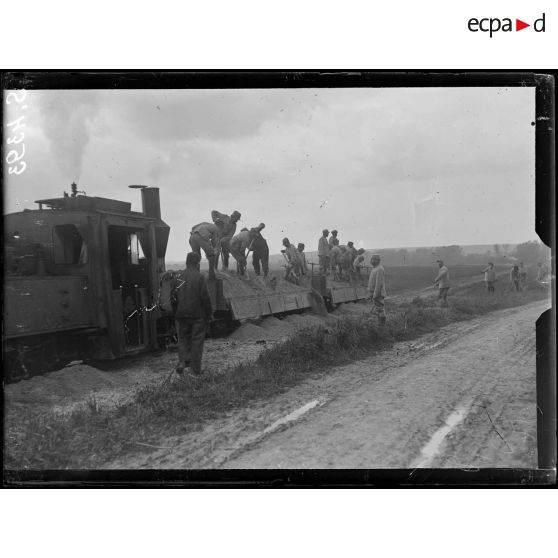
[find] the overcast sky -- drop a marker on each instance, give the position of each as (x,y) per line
(386,167)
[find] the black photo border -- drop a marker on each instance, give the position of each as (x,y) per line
(545,226)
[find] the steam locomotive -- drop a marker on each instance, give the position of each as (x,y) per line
(81,276)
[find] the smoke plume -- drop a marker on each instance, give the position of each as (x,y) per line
(67,116)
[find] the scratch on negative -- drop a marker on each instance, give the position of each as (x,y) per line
(493,426)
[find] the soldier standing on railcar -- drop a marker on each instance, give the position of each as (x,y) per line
(334,255)
(260,254)
(323,252)
(239,244)
(293,271)
(302,258)
(358,263)
(333,240)
(227,228)
(205,236)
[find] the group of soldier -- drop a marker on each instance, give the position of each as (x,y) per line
(218,238)
(342,262)
(518,276)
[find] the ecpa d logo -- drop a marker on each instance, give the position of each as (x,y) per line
(492,25)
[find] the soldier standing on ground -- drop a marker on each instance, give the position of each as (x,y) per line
(542,272)
(515,280)
(442,282)
(522,276)
(377,288)
(490,277)
(323,252)
(192,313)
(227,228)
(205,236)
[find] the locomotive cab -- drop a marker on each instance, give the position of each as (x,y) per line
(81,281)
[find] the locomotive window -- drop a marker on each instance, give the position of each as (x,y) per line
(69,247)
(135,252)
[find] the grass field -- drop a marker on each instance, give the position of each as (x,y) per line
(91,435)
(405,278)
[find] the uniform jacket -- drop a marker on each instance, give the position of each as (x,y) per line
(192,296)
(226,225)
(291,253)
(489,275)
(335,252)
(346,259)
(323,246)
(208,231)
(260,246)
(443,278)
(302,261)
(332,241)
(358,262)
(377,281)
(241,241)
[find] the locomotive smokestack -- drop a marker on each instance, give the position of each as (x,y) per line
(150,202)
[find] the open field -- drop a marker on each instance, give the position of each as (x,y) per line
(93,434)
(408,277)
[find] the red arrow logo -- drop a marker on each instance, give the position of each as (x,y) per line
(519,25)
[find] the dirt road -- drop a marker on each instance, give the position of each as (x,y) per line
(463,397)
